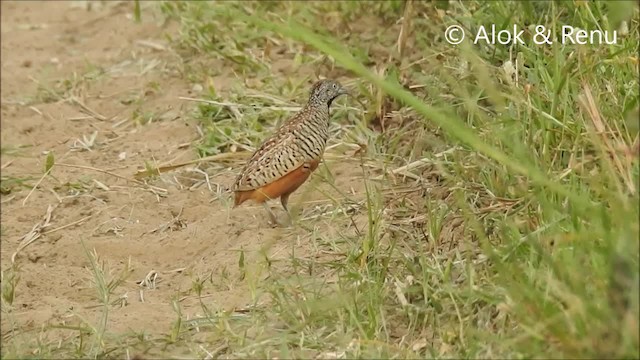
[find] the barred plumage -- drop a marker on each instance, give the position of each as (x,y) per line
(286,158)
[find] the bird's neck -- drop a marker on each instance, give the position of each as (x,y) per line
(318,106)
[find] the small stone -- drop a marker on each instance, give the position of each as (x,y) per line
(197,88)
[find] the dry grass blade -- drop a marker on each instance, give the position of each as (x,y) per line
(404,30)
(234,107)
(87,110)
(46,173)
(5,165)
(86,143)
(169,167)
(115,175)
(602,129)
(152,45)
(35,232)
(8,199)
(67,225)
(405,169)
(149,281)
(398,290)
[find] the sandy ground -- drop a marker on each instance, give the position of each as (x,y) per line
(169,228)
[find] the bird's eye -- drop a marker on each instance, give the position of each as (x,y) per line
(335,86)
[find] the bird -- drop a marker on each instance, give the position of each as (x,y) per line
(286,158)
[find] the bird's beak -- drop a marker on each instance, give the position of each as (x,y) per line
(344,91)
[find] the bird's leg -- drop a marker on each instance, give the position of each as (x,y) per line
(272,216)
(284,200)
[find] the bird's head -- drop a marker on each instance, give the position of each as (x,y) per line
(325,91)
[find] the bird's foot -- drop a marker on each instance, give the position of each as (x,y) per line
(285,223)
(290,221)
(273,220)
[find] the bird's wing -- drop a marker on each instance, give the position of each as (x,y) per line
(277,156)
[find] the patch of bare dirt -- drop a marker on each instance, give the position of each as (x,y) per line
(167,228)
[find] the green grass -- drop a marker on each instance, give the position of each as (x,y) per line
(522,239)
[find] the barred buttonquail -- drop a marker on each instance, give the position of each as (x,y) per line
(285,159)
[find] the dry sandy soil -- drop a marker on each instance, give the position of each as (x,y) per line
(166,226)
